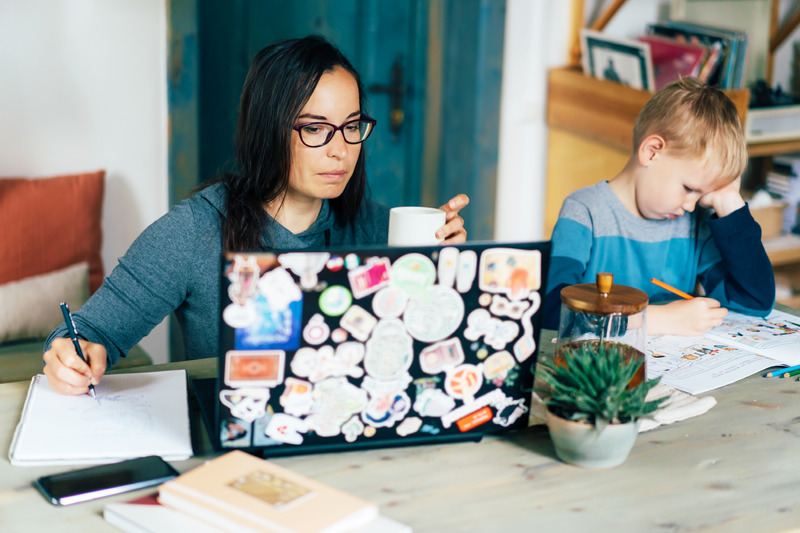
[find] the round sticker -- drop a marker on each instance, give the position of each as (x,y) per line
(335,263)
(317,331)
(335,300)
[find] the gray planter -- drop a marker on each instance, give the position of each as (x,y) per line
(588,446)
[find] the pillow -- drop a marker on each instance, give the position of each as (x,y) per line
(51,223)
(29,308)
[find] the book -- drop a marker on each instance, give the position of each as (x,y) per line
(134,415)
(740,347)
(146,515)
(673,59)
(243,493)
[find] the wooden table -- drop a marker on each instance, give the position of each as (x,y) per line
(735,468)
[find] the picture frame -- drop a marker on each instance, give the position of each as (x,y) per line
(624,61)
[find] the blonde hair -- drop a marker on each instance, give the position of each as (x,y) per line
(698,121)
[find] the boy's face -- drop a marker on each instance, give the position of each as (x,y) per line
(671,186)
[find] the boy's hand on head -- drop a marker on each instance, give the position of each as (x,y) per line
(453,231)
(724,200)
(685,317)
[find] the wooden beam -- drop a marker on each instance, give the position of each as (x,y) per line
(607,15)
(780,35)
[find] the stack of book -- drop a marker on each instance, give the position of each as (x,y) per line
(783,182)
(723,50)
(237,492)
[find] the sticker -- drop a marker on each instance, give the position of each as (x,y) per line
(247,404)
(316,331)
(352,429)
(485,299)
(256,368)
(390,351)
(437,357)
(369,278)
(473,420)
(234,433)
(463,381)
(467,267)
(305,265)
(351,261)
(369,431)
(413,274)
(326,362)
(335,263)
(278,307)
(279,287)
(429,429)
(510,271)
(336,400)
(494,397)
(525,346)
(409,426)
(286,429)
(358,322)
(498,365)
(244,279)
(259,430)
(338,335)
(240,315)
(335,300)
(297,399)
(509,411)
(435,314)
(503,307)
(388,401)
(433,402)
(447,266)
(389,302)
(497,333)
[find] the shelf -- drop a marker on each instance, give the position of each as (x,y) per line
(783,250)
(604,111)
(773,148)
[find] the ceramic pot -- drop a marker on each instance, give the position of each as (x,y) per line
(587,446)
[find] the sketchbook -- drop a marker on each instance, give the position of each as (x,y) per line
(133,415)
(740,347)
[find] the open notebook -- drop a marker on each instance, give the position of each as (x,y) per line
(370,347)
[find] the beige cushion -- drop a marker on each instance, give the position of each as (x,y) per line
(29,308)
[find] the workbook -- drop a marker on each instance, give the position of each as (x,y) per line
(740,347)
(134,415)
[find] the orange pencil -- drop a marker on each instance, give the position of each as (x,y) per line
(671,289)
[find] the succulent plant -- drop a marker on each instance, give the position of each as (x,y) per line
(592,385)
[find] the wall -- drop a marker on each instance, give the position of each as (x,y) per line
(82,87)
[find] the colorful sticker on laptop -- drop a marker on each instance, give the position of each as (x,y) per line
(442,355)
(358,322)
(474,419)
(498,365)
(510,271)
(242,290)
(279,309)
(390,351)
(254,368)
(305,265)
(435,314)
(388,402)
(447,266)
(495,332)
(409,426)
(369,278)
(335,300)
(335,401)
(297,397)
(413,274)
(316,331)
(389,302)
(285,428)
(433,402)
(507,308)
(467,267)
(234,433)
(494,397)
(526,345)
(247,404)
(463,381)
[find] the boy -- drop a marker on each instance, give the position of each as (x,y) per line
(688,149)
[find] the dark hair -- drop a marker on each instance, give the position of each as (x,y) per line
(282,78)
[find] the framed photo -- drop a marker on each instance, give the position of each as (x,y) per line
(622,61)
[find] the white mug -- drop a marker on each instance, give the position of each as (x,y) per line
(414,226)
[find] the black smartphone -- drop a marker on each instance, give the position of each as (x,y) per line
(100,481)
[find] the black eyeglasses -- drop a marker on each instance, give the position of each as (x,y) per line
(316,134)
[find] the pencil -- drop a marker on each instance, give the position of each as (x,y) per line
(671,289)
(73,334)
(790,374)
(782,371)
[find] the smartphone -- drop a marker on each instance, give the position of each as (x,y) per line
(104,480)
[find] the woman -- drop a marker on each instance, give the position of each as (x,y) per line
(300,184)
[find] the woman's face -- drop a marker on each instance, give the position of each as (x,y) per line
(323,172)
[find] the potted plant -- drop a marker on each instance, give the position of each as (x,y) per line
(592,409)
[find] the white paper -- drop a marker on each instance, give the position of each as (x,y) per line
(740,347)
(134,415)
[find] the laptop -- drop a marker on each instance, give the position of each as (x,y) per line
(345,349)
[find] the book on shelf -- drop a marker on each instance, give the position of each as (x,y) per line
(728,67)
(673,59)
(146,515)
(740,347)
(240,492)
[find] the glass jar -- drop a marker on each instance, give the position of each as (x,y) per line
(593,314)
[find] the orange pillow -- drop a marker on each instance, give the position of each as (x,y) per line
(51,223)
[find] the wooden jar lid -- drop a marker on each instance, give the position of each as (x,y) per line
(604,298)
